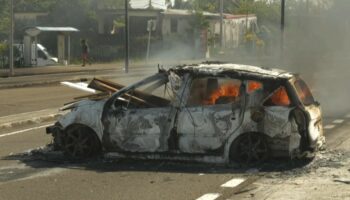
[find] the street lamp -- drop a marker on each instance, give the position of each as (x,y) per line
(283,3)
(12,72)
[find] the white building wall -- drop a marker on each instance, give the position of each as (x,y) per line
(234,29)
(182,26)
(166,28)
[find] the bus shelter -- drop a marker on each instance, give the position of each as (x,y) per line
(30,43)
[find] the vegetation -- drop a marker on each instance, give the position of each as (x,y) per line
(83,15)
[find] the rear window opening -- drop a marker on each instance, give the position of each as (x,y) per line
(304,92)
(278,98)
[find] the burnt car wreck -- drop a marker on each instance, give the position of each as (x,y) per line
(218,113)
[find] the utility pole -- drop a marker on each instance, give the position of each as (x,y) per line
(221,23)
(12,72)
(282,27)
(126,69)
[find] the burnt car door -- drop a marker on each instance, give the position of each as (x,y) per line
(277,107)
(135,118)
(210,114)
(277,123)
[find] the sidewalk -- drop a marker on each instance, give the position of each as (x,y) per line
(4,73)
(36,76)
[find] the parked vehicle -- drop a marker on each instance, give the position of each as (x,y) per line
(44,58)
(210,112)
(41,58)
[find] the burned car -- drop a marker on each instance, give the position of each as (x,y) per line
(210,112)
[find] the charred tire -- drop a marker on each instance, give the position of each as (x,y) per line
(250,148)
(80,142)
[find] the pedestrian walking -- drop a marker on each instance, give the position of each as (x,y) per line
(85,52)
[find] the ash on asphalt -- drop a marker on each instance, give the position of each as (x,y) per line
(45,157)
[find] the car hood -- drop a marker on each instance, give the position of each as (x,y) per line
(85,112)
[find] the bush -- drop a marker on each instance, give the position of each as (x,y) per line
(3,54)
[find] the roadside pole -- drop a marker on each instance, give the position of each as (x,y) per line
(282,29)
(221,24)
(68,57)
(149,29)
(151,26)
(12,72)
(126,69)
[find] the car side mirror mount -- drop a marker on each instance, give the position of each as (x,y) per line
(317,103)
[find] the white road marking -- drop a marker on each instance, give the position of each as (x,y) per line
(24,130)
(80,86)
(25,113)
(338,121)
(329,126)
(48,172)
(233,182)
(209,196)
(201,174)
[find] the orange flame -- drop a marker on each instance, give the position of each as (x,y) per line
(280,97)
(226,90)
(253,85)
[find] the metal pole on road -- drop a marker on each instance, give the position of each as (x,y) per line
(221,23)
(149,28)
(126,69)
(282,26)
(12,72)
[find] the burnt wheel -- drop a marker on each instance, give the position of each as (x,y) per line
(250,148)
(81,142)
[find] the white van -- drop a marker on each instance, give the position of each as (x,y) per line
(43,57)
(40,58)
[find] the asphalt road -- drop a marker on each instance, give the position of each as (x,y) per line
(52,176)
(23,176)
(15,99)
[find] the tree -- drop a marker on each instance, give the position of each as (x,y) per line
(20,6)
(211,5)
(267,12)
(4,19)
(34,5)
(180,4)
(199,21)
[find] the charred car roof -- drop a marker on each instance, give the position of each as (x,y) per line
(236,70)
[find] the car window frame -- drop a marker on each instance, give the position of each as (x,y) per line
(297,93)
(287,89)
(192,78)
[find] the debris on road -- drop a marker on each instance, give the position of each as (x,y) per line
(346,181)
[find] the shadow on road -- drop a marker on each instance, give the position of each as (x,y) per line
(41,162)
(41,159)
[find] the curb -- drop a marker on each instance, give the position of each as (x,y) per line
(23,85)
(24,74)
(35,120)
(54,82)
(30,118)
